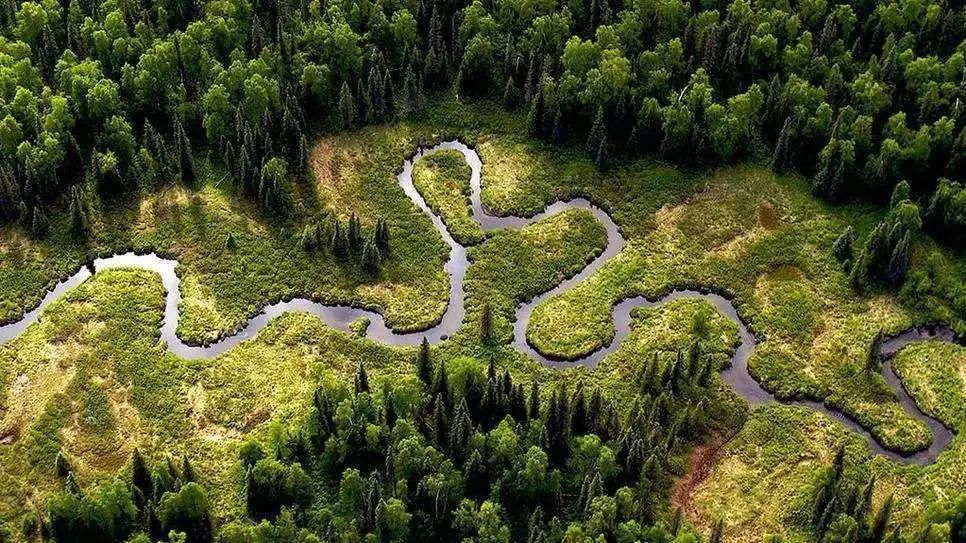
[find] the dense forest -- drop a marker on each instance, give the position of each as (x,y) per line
(99,99)
(123,94)
(456,456)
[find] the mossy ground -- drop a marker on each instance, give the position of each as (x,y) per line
(91,379)
(443,178)
(769,471)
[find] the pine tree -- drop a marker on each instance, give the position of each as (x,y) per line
(842,248)
(558,133)
(371,259)
(362,379)
(594,412)
(424,363)
(441,383)
(382,236)
(354,233)
(476,477)
(62,466)
(602,159)
(140,476)
(187,471)
(535,116)
(461,431)
(899,261)
(186,164)
(578,413)
(779,158)
(598,133)
(340,240)
(534,400)
(347,107)
(881,522)
(39,224)
(440,422)
(717,531)
(511,94)
(78,211)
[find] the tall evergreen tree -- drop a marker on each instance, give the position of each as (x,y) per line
(424,364)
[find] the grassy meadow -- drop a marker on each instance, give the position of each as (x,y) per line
(91,380)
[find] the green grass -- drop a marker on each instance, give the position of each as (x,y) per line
(934,373)
(779,270)
(443,179)
(91,380)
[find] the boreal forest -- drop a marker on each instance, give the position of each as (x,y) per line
(488,271)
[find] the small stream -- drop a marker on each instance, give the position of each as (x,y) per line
(341,316)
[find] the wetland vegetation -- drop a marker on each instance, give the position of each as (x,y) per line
(804,159)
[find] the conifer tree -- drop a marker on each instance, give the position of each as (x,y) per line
(424,364)
(354,233)
(39,224)
(347,107)
(440,422)
(899,261)
(578,415)
(78,211)
(371,260)
(441,383)
(362,379)
(511,94)
(598,133)
(881,522)
(602,159)
(340,240)
(536,114)
(187,471)
(62,466)
(186,165)
(779,158)
(842,248)
(534,400)
(140,476)
(382,236)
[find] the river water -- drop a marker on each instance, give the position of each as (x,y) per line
(340,316)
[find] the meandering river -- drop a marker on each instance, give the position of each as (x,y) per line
(340,317)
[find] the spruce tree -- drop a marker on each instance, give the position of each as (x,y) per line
(424,364)
(511,94)
(186,164)
(598,133)
(534,410)
(881,522)
(899,261)
(602,160)
(842,248)
(78,211)
(578,414)
(440,429)
(441,383)
(371,260)
(362,379)
(340,240)
(347,107)
(140,476)
(536,114)
(779,158)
